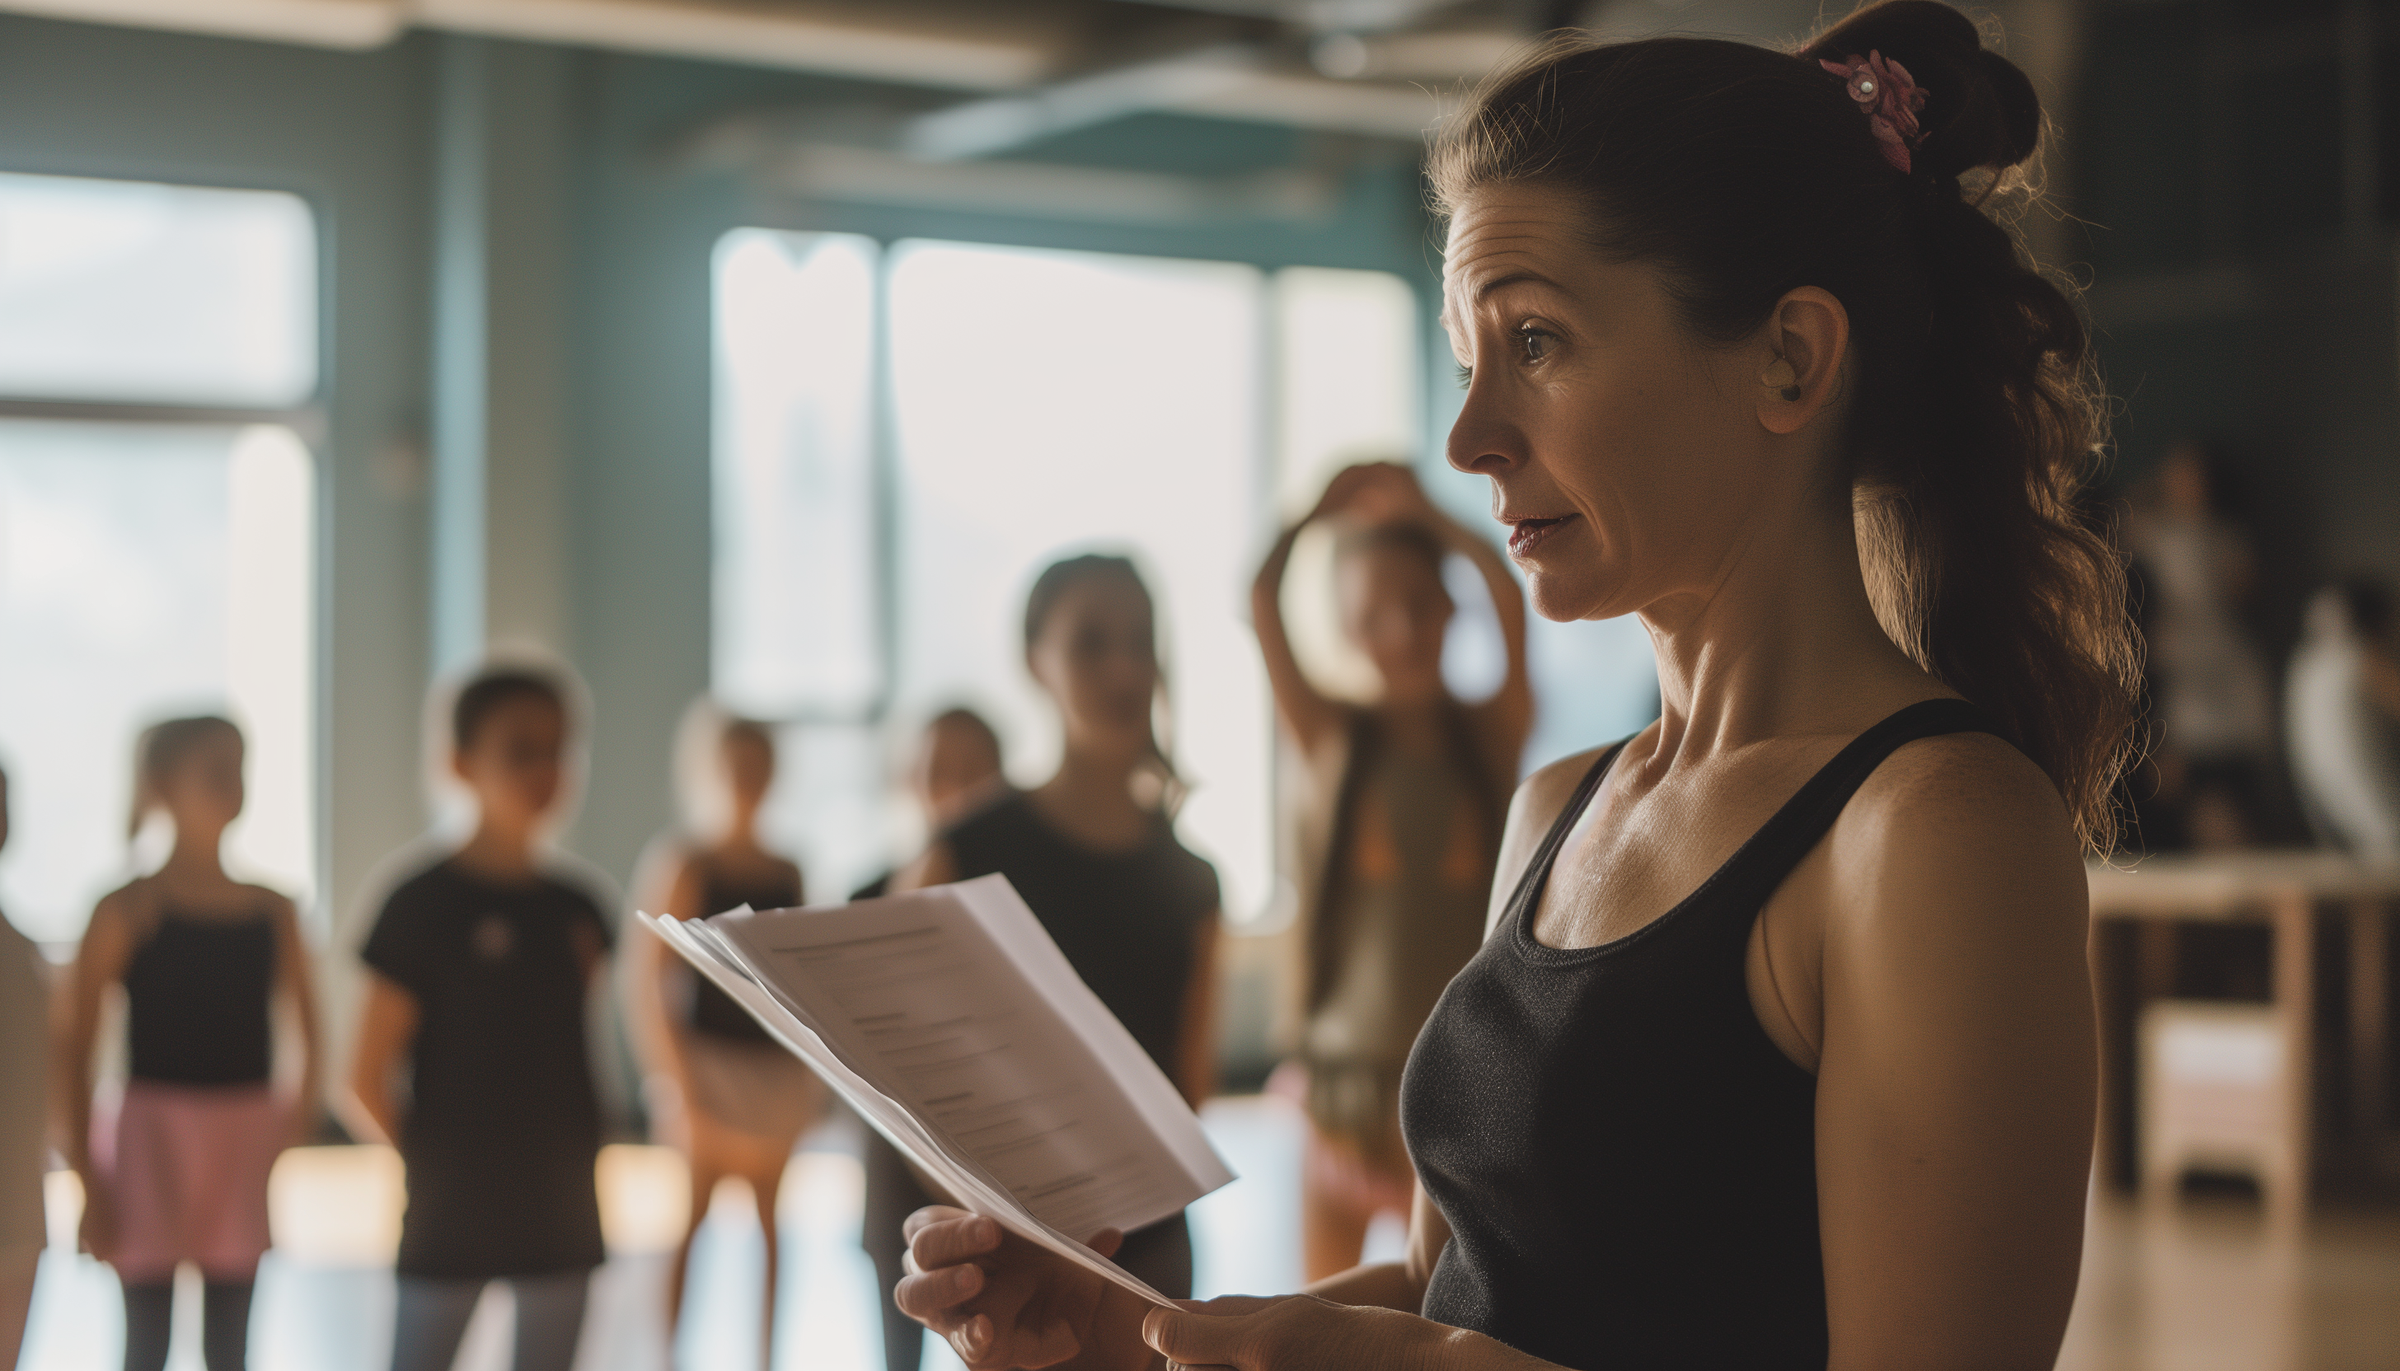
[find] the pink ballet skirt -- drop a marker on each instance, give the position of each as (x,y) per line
(188,1165)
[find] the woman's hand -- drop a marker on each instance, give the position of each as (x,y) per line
(1304,1333)
(1389,493)
(1000,1301)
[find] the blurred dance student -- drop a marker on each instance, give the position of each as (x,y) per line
(957,767)
(729,1096)
(481,964)
(2342,718)
(2216,714)
(180,1173)
(24,1095)
(1399,833)
(1093,849)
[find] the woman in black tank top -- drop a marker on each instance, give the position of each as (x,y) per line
(722,1090)
(1778,1053)
(180,1172)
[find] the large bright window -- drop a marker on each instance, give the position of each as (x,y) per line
(126,290)
(155,559)
(1049,403)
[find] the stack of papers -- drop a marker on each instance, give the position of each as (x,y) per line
(953,1025)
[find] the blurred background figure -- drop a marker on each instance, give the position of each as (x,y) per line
(2342,719)
(957,766)
(177,1171)
(24,1085)
(723,1092)
(1399,832)
(2208,676)
(1093,849)
(481,964)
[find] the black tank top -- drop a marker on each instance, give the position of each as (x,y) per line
(713,1011)
(1627,1161)
(197,1002)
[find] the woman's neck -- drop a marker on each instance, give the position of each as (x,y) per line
(1091,798)
(194,864)
(1781,641)
(739,842)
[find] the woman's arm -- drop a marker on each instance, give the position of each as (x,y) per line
(1955,1092)
(674,889)
(100,960)
(1196,1073)
(386,1026)
(1307,715)
(297,984)
(1507,717)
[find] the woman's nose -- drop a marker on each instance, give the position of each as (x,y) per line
(1482,440)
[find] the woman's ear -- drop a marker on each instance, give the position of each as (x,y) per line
(1805,338)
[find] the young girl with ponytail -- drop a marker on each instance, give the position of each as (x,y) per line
(1778,1052)
(1093,849)
(180,1173)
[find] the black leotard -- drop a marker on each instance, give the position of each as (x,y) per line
(197,1001)
(1627,1162)
(712,1011)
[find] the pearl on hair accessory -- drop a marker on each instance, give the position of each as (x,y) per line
(1889,97)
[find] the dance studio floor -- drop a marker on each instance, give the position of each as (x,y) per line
(2201,1289)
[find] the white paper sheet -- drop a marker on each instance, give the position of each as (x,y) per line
(956,1028)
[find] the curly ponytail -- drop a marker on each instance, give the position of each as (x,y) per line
(1973,418)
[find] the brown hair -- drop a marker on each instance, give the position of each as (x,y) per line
(489,689)
(1973,410)
(162,748)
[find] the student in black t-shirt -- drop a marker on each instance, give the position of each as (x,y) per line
(481,965)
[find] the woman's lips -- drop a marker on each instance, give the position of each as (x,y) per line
(1524,535)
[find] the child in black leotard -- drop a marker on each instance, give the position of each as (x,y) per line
(180,1174)
(728,1095)
(481,965)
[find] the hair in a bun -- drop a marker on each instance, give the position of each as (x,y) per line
(1973,415)
(1980,112)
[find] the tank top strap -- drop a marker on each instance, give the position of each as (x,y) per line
(1762,863)
(1537,868)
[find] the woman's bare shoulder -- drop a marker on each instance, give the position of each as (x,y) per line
(1966,820)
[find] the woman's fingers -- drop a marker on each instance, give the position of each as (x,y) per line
(929,1216)
(930,1296)
(954,1236)
(1189,1338)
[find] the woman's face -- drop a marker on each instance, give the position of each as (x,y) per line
(1096,656)
(1396,611)
(204,792)
(1625,452)
(749,769)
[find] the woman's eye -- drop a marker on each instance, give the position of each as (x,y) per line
(1536,342)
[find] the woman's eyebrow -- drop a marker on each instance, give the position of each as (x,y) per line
(1493,287)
